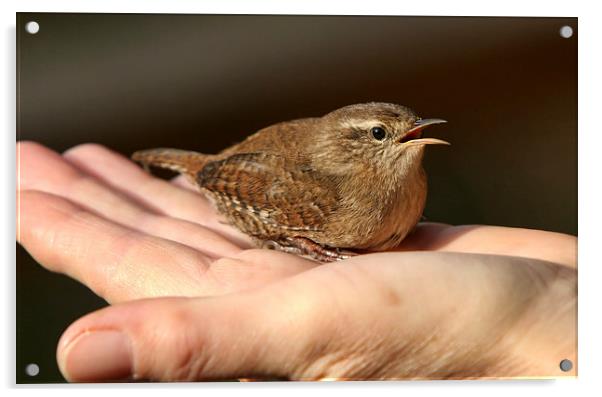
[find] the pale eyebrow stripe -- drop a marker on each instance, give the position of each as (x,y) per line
(363,124)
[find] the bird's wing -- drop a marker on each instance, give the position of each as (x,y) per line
(271,189)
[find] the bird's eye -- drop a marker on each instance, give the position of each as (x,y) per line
(378,133)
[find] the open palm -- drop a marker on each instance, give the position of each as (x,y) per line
(97,217)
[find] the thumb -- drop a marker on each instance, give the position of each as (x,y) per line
(185,339)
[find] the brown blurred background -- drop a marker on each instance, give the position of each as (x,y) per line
(507,86)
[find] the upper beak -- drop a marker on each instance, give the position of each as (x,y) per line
(414,136)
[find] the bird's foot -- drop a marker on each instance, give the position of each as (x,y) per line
(306,247)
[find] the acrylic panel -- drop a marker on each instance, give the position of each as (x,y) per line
(484,286)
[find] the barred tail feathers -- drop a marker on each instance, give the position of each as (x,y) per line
(183,161)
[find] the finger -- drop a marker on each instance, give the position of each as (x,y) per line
(125,176)
(117,263)
(66,181)
(249,335)
(184,183)
(536,244)
(122,264)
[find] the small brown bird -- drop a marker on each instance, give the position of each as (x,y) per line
(352,179)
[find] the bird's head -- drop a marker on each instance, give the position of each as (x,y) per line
(372,138)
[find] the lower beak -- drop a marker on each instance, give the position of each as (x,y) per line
(414,136)
(426,141)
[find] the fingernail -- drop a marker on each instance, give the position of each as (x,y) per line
(98,356)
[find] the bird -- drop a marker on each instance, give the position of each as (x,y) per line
(322,187)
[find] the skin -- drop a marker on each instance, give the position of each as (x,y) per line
(190,300)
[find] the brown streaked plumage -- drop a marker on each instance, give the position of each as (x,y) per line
(352,179)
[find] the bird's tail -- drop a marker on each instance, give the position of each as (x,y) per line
(185,162)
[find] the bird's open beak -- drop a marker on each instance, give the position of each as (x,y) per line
(414,136)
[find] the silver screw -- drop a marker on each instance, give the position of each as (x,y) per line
(566,31)
(566,365)
(32,369)
(32,27)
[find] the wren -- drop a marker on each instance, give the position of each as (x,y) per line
(320,187)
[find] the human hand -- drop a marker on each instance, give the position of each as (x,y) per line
(379,316)
(102,220)
(128,236)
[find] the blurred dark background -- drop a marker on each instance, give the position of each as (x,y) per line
(507,86)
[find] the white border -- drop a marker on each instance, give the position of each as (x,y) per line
(349,7)
(590,129)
